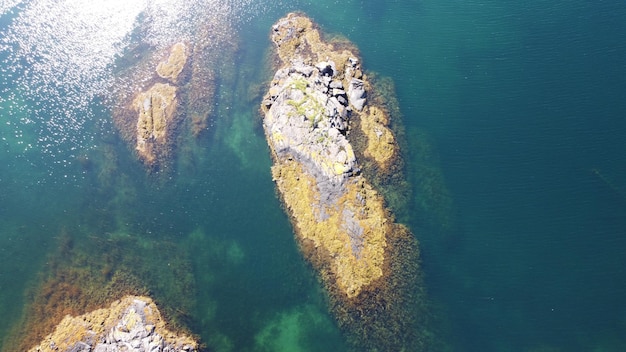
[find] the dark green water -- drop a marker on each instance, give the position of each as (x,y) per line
(524,107)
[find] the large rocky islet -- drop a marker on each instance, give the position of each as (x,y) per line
(316,104)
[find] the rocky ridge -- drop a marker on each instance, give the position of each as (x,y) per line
(308,109)
(327,136)
(147,104)
(133,323)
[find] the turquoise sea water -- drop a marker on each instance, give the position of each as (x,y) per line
(522,105)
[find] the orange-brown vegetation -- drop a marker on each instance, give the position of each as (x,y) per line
(199,124)
(84,277)
(155,110)
(95,325)
(353,271)
(173,66)
(154,98)
(375,290)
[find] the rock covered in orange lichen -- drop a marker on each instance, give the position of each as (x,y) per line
(351,231)
(87,274)
(307,113)
(196,59)
(173,66)
(368,263)
(381,144)
(132,322)
(150,98)
(155,108)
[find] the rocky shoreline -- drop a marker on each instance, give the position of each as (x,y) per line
(367,262)
(133,323)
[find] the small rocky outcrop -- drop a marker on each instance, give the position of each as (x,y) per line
(164,92)
(173,66)
(133,323)
(316,103)
(150,96)
(156,107)
(155,111)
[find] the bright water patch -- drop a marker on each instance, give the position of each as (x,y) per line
(56,58)
(14,131)
(7,5)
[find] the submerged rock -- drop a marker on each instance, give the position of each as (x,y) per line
(133,323)
(154,110)
(367,262)
(191,65)
(173,66)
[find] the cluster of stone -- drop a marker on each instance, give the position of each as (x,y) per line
(131,324)
(308,109)
(307,118)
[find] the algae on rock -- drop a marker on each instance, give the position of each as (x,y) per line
(164,96)
(368,264)
(148,118)
(132,321)
(173,66)
(88,274)
(155,109)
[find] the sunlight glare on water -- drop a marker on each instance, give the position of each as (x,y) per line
(6,5)
(57,57)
